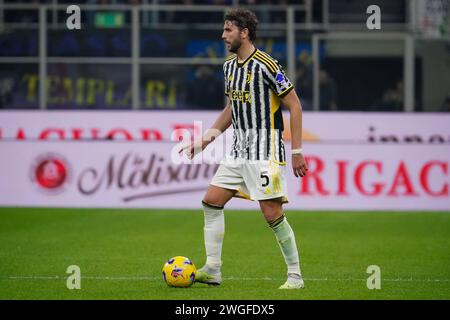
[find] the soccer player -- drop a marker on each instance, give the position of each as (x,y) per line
(255,86)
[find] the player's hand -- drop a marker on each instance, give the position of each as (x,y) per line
(192,149)
(299,165)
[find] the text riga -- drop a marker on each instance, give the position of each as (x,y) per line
(372,178)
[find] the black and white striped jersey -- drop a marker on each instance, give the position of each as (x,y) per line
(254,88)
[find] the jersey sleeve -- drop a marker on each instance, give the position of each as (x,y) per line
(278,80)
(226,82)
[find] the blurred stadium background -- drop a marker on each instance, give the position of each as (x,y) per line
(89,117)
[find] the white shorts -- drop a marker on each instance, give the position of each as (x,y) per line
(253,180)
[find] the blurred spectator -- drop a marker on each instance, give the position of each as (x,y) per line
(7,85)
(304,79)
(328,91)
(391,100)
(205,91)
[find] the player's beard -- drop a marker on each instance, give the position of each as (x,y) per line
(235,45)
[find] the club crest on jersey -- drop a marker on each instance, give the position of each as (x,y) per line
(281,79)
(249,77)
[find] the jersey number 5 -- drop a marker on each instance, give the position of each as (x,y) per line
(265,178)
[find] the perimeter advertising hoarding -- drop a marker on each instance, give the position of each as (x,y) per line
(142,175)
(123,159)
(323,127)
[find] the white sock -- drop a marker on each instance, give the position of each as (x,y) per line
(214,231)
(286,239)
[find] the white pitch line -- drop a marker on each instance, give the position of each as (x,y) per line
(137,278)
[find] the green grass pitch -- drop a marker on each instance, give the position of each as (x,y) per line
(121,254)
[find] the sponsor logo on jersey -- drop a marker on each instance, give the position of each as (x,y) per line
(239,95)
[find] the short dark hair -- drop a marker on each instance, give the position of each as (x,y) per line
(243,18)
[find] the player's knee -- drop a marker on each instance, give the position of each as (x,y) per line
(272,216)
(270,206)
(211,205)
(271,210)
(211,199)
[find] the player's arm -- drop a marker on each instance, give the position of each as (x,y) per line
(292,103)
(220,125)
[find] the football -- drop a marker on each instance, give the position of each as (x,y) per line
(179,271)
